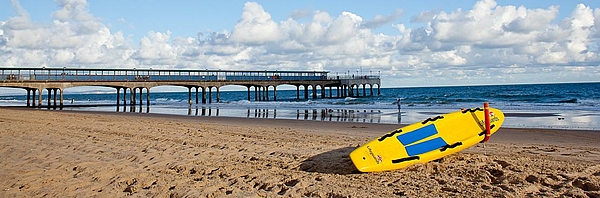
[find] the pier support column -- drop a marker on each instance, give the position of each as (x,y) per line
(203,95)
(118,96)
(61,98)
(40,98)
(323,91)
(314,89)
(274,92)
(350,91)
(190,95)
(256,97)
(28,96)
(297,92)
(209,94)
(371,89)
(124,97)
(266,92)
(218,95)
(147,96)
(141,96)
(305,92)
(133,99)
(248,92)
(197,94)
(257,93)
(130,96)
(261,93)
(49,96)
(54,93)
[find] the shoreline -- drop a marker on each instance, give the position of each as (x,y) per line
(540,119)
(276,120)
(108,154)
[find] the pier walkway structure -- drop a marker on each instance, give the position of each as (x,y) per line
(134,81)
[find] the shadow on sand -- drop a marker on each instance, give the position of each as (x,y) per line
(331,162)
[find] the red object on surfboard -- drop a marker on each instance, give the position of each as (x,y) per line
(486,112)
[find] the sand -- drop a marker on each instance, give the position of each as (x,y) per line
(71,154)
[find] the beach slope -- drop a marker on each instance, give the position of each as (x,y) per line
(59,153)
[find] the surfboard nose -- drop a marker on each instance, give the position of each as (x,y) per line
(367,158)
(360,158)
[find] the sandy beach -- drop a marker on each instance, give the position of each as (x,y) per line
(85,154)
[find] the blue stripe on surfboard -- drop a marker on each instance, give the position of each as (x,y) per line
(416,135)
(425,147)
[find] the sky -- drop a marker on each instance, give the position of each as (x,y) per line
(408,43)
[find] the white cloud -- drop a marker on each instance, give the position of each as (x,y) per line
(74,38)
(255,27)
(448,58)
(343,28)
(64,56)
(156,45)
(514,69)
(581,23)
(467,45)
(552,57)
(575,68)
(531,20)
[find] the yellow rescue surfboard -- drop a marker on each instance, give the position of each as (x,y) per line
(425,141)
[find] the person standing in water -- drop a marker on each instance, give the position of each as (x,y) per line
(399,112)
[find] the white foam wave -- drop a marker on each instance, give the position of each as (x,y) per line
(350,99)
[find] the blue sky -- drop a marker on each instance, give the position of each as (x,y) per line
(412,43)
(188,17)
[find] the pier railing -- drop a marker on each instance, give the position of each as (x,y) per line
(69,75)
(346,77)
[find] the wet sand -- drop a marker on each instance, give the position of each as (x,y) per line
(84,154)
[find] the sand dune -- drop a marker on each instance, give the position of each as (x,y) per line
(58,154)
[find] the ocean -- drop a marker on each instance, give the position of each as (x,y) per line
(560,106)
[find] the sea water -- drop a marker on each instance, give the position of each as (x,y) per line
(563,106)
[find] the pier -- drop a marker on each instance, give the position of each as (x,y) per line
(261,85)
